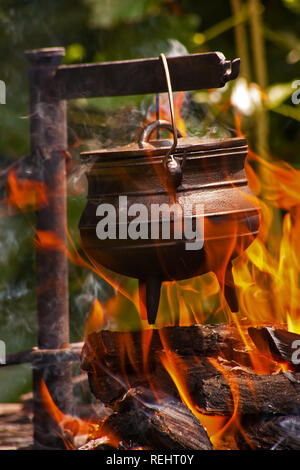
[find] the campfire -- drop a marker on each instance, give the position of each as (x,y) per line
(213,362)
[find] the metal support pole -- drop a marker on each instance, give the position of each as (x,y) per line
(48,130)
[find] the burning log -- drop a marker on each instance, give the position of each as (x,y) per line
(258,394)
(168,425)
(209,390)
(111,357)
(199,340)
(276,433)
(112,373)
(276,343)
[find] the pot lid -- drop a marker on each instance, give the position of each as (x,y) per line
(146,148)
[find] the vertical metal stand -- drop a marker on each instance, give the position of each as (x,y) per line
(48,130)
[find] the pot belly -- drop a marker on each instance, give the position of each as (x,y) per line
(225,237)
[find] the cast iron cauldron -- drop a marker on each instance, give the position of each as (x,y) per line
(213,175)
(187,171)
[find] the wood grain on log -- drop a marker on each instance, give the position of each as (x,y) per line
(168,425)
(276,343)
(257,394)
(111,374)
(114,360)
(201,340)
(275,433)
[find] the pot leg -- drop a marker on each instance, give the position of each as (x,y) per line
(149,291)
(228,288)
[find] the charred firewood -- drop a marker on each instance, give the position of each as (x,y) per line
(164,425)
(116,361)
(249,393)
(112,371)
(198,340)
(276,343)
(275,433)
(210,390)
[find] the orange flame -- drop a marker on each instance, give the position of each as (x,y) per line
(47,241)
(72,425)
(177,370)
(95,319)
(226,435)
(267,274)
(164,110)
(23,192)
(220,429)
(238,124)
(280,184)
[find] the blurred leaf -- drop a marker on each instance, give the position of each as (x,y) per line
(287,40)
(278,93)
(111,103)
(14,130)
(221,27)
(109,13)
(17,380)
(293,5)
(74,53)
(288,111)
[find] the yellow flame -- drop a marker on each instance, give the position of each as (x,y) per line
(95,319)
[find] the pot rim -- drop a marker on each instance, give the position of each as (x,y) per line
(156,148)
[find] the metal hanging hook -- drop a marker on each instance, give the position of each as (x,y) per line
(171,104)
(171,164)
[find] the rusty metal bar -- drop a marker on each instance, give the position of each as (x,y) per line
(48,131)
(142,76)
(38,357)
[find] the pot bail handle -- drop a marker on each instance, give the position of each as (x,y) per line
(171,165)
(166,125)
(169,161)
(150,128)
(171,104)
